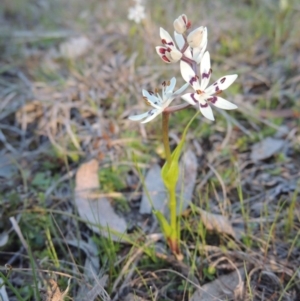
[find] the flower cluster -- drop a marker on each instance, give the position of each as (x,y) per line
(189,49)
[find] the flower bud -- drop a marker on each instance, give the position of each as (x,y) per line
(181,24)
(175,55)
(195,37)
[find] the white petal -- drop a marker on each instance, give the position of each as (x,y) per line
(153,100)
(198,53)
(191,98)
(180,90)
(167,102)
(221,103)
(161,51)
(176,55)
(206,111)
(205,71)
(204,39)
(189,75)
(181,24)
(179,40)
(186,71)
(153,114)
(166,38)
(170,88)
(221,84)
(138,117)
(195,37)
(172,84)
(189,53)
(170,58)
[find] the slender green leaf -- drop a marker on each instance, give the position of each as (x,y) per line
(164,225)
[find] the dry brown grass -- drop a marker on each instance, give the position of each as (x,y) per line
(56,113)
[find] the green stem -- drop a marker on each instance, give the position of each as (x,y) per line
(173,238)
(173,215)
(165,133)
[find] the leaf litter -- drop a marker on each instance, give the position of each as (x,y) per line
(3,293)
(96,211)
(266,148)
(216,222)
(38,114)
(225,287)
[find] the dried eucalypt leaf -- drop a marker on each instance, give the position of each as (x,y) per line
(96,211)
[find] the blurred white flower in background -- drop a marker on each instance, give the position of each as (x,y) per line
(137,13)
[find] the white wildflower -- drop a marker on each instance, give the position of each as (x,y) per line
(159,103)
(137,12)
(204,96)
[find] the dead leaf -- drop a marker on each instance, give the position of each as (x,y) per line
(29,113)
(133,297)
(87,293)
(216,222)
(92,265)
(7,168)
(91,268)
(3,239)
(99,210)
(98,290)
(187,180)
(3,293)
(52,292)
(266,148)
(75,47)
(157,191)
(225,287)
(90,249)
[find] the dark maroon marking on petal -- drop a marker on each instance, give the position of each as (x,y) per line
(188,25)
(193,98)
(164,83)
(193,79)
(223,80)
(217,89)
(166,43)
(169,49)
(203,106)
(165,59)
(206,75)
(151,112)
(213,99)
(184,19)
(162,50)
(215,83)
(151,92)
